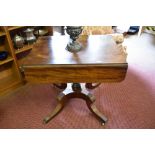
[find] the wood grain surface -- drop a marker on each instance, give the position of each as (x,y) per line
(100,60)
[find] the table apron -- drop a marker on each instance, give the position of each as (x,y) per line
(81,74)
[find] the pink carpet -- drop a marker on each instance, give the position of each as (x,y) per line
(129,104)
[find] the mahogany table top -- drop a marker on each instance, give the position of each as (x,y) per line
(100,60)
(96,49)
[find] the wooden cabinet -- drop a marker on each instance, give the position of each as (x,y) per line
(10,74)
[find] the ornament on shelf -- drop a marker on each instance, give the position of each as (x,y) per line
(30,37)
(3,55)
(18,41)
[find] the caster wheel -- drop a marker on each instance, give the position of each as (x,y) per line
(103,124)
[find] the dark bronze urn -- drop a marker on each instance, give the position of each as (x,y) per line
(74,32)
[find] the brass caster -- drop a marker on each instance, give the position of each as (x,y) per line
(103,124)
(45,120)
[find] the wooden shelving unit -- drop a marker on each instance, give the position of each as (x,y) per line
(25,48)
(10,28)
(6,60)
(10,73)
(2,33)
(9,78)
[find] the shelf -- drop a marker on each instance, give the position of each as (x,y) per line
(10,28)
(25,48)
(8,82)
(10,75)
(6,61)
(2,33)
